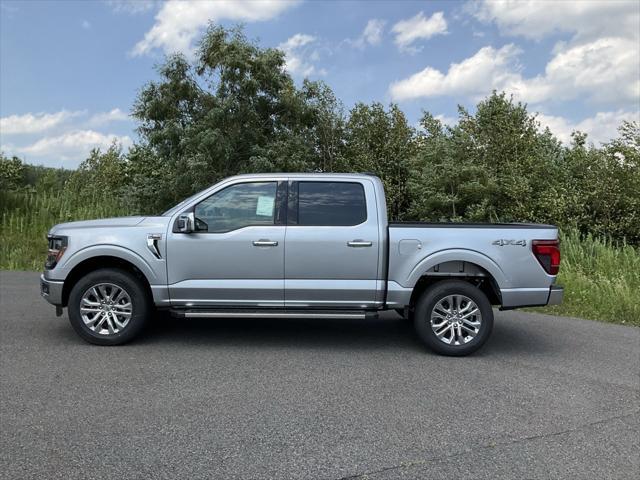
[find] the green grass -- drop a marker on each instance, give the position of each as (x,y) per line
(601,279)
(28,216)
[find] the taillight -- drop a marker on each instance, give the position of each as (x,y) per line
(57,246)
(548,254)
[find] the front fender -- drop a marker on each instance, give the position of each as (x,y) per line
(107,250)
(457,255)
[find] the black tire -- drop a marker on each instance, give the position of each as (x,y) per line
(435,294)
(141,306)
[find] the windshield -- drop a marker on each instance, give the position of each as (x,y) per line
(175,209)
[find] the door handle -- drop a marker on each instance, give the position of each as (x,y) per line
(359,243)
(265,243)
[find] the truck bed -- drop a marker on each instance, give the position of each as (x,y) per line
(500,251)
(540,226)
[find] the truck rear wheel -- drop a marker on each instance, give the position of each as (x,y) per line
(453,317)
(108,307)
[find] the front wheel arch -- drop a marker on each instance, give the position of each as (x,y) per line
(95,263)
(139,306)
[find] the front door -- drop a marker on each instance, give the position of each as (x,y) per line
(236,255)
(331,259)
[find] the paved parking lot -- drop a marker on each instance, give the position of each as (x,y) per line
(547,397)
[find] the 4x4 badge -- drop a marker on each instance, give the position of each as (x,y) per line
(502,242)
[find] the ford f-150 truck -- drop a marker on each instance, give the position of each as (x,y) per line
(295,245)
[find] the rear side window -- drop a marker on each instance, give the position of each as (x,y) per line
(331,203)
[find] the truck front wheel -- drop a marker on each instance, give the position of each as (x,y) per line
(453,317)
(108,307)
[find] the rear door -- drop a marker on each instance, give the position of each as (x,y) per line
(331,254)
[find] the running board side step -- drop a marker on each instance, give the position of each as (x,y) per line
(320,314)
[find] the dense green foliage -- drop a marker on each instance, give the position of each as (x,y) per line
(235,109)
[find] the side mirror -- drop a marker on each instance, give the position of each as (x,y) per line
(186,222)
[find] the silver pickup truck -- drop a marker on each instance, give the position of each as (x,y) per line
(295,245)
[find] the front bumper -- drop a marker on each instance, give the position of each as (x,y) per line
(555,295)
(51,291)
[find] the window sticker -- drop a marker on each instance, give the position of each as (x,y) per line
(265,206)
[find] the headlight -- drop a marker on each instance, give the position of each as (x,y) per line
(57,246)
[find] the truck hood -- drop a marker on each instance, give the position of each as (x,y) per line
(102,223)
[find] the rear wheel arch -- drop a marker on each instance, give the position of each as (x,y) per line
(99,262)
(458,270)
(467,324)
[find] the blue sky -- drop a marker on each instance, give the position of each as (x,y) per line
(69,71)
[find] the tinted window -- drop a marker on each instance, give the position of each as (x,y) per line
(331,203)
(237,206)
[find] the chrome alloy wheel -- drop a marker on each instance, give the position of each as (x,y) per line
(456,320)
(106,308)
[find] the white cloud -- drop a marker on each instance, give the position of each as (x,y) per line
(605,70)
(297,41)
(35,122)
(537,19)
(86,24)
(64,136)
(40,122)
(297,49)
(178,23)
(373,31)
(602,127)
(71,147)
(132,7)
(371,35)
(475,76)
(601,60)
(102,118)
(446,120)
(418,27)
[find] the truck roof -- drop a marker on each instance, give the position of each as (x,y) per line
(305,175)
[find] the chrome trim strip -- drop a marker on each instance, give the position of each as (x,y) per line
(320,315)
(152,244)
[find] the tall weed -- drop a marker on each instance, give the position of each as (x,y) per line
(27,216)
(601,279)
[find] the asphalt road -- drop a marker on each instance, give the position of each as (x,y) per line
(547,397)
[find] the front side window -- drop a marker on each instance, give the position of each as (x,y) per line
(331,203)
(237,206)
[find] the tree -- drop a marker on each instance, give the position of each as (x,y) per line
(602,185)
(102,176)
(236,109)
(495,164)
(11,172)
(382,142)
(519,160)
(444,185)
